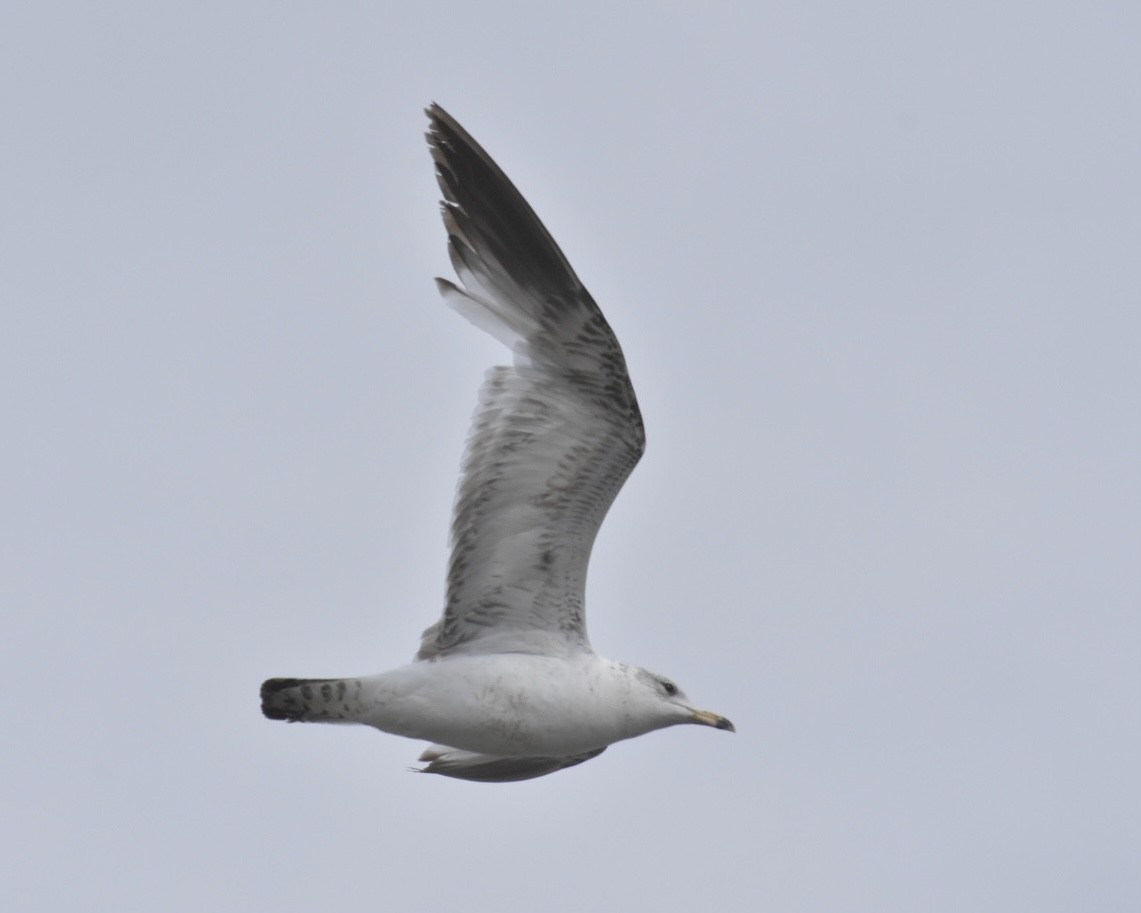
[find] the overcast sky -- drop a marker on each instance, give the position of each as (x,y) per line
(875,268)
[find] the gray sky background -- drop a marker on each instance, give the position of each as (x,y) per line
(876,271)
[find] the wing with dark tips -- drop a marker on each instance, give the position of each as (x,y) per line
(555,434)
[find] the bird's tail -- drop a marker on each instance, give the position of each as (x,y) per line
(310,700)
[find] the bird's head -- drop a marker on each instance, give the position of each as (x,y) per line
(671,704)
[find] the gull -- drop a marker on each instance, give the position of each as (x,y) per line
(506,684)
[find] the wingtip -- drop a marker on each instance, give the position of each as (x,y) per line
(438,120)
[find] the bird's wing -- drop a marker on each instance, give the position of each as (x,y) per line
(554,435)
(467,765)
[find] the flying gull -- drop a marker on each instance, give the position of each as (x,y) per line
(506,684)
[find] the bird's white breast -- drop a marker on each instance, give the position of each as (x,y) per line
(508,704)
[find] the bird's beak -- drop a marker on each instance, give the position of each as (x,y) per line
(709,718)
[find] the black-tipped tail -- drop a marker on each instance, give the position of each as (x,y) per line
(301,700)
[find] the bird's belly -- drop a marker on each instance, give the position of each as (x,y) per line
(504,705)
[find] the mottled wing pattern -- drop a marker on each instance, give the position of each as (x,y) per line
(554,436)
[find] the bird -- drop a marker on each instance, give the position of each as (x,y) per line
(506,685)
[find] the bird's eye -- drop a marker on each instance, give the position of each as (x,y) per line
(670,688)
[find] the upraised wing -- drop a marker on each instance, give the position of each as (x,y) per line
(554,435)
